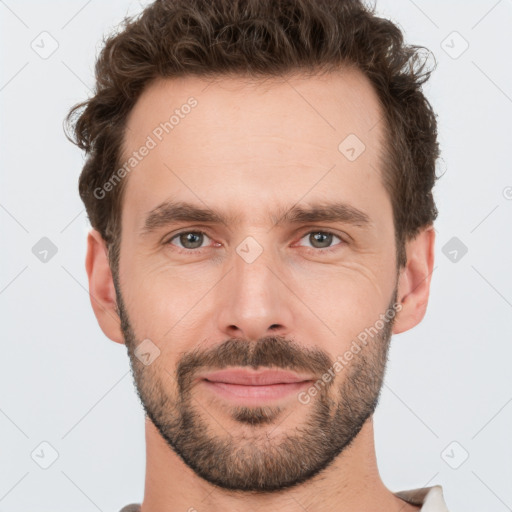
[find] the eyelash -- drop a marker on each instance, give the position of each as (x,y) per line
(309,249)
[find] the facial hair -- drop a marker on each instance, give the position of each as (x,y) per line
(258,463)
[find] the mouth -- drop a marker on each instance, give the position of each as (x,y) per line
(245,386)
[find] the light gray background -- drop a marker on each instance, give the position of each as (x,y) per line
(63,382)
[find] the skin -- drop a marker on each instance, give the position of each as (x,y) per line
(248,149)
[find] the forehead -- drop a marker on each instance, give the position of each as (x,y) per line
(241,141)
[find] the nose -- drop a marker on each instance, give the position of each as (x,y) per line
(253,300)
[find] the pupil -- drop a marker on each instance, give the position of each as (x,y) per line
(188,238)
(327,238)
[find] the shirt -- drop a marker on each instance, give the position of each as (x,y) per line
(431,499)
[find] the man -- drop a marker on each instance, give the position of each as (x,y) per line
(259,182)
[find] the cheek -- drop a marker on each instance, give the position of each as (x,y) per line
(167,305)
(157,293)
(346,301)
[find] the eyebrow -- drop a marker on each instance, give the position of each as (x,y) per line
(170,212)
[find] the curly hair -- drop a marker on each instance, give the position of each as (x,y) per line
(260,39)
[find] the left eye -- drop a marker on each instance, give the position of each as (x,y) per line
(321,239)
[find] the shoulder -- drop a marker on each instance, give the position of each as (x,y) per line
(132,507)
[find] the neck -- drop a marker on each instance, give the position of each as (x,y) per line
(351,483)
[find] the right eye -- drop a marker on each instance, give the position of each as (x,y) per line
(190,240)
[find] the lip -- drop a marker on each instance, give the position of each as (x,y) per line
(246,377)
(245,386)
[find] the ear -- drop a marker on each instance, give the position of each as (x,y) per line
(414,280)
(101,287)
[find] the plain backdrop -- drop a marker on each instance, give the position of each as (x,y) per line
(67,400)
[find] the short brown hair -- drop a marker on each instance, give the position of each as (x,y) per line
(261,38)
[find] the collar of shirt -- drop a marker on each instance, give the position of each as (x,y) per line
(431,499)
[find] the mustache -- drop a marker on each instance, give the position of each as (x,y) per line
(270,351)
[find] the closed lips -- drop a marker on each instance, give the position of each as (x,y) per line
(244,377)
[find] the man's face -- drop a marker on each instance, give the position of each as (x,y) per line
(248,314)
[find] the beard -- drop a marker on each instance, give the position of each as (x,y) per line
(248,458)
